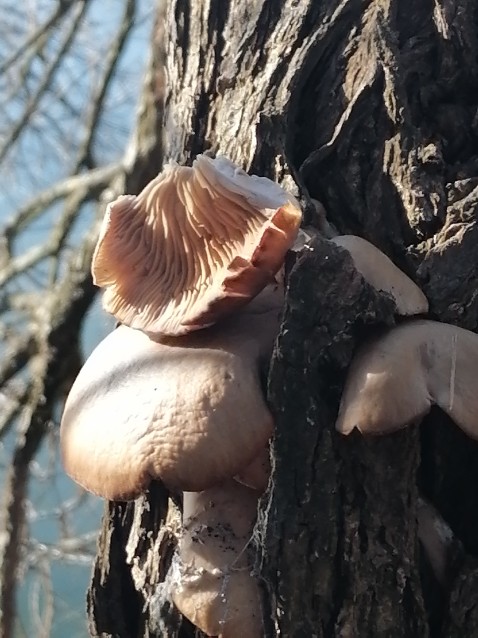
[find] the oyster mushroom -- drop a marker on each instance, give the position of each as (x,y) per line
(213,585)
(381,273)
(189,411)
(395,379)
(195,245)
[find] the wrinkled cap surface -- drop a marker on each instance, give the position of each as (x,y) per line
(196,244)
(189,411)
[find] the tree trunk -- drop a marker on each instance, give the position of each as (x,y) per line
(369,107)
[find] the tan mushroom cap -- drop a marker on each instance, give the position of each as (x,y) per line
(381,273)
(214,587)
(188,411)
(196,244)
(395,379)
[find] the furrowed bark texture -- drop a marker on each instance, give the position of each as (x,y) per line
(370,107)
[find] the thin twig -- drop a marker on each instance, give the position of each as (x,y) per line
(91,182)
(61,9)
(20,126)
(60,326)
(97,100)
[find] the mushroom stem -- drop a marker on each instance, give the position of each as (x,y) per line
(214,586)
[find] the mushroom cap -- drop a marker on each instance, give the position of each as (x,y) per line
(197,243)
(396,378)
(381,273)
(256,475)
(188,411)
(214,587)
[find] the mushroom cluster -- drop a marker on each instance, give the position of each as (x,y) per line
(189,269)
(175,392)
(397,376)
(394,380)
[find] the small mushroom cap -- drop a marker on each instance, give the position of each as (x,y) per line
(395,379)
(188,411)
(214,587)
(198,243)
(256,475)
(381,273)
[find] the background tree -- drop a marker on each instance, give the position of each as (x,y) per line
(69,85)
(370,108)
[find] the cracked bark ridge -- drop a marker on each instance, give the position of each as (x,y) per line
(126,596)
(392,152)
(338,528)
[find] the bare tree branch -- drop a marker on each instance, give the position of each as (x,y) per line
(90,183)
(67,306)
(13,397)
(61,81)
(97,104)
(50,248)
(19,127)
(62,8)
(16,356)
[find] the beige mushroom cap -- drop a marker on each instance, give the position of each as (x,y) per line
(381,273)
(188,411)
(395,379)
(214,587)
(195,245)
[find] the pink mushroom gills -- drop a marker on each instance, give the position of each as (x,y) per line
(395,379)
(381,273)
(213,585)
(189,411)
(195,245)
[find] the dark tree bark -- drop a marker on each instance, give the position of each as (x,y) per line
(370,107)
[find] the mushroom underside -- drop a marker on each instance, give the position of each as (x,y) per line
(198,243)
